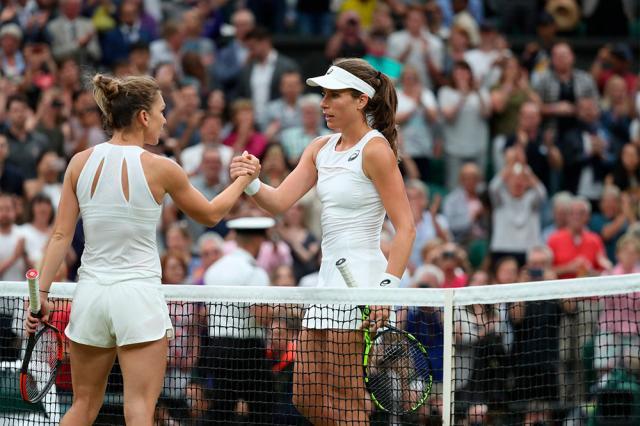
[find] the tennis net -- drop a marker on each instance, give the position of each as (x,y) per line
(551,353)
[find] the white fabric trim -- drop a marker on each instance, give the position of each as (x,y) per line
(338,78)
(504,293)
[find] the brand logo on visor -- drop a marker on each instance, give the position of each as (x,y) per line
(329,71)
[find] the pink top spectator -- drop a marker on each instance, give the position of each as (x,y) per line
(256,144)
(621,312)
(458,281)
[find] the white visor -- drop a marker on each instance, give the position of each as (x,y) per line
(338,78)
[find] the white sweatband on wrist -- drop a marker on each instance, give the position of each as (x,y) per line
(388,280)
(253,188)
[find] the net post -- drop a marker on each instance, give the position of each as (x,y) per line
(448,374)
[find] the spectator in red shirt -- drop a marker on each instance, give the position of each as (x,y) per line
(614,60)
(577,251)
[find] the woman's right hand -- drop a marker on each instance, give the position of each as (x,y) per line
(31,322)
(245,166)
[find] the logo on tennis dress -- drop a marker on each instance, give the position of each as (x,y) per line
(385,282)
(354,155)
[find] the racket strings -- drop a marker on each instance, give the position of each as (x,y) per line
(43,364)
(398,372)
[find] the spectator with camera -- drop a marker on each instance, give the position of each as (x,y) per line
(517,198)
(349,39)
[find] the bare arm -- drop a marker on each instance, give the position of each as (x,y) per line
(188,199)
(298,183)
(65,224)
(380,165)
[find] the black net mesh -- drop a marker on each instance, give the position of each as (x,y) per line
(562,362)
(553,362)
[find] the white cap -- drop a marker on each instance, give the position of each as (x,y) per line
(251,223)
(11,29)
(338,78)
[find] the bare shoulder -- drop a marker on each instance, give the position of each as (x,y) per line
(76,164)
(378,157)
(315,146)
(378,149)
(158,165)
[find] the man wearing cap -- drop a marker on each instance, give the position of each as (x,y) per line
(12,64)
(614,60)
(235,354)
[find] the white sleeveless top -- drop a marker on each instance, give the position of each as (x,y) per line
(352,215)
(120,235)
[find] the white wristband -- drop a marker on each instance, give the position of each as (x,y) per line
(253,188)
(389,281)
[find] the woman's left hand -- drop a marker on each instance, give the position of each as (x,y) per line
(378,318)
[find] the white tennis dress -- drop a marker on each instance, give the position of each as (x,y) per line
(352,217)
(119,299)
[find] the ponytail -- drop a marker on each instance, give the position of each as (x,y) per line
(382,110)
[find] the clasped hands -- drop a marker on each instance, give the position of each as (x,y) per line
(245,166)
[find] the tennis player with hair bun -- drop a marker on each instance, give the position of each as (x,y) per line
(118,307)
(357,177)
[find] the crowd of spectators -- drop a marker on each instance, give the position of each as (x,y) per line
(519,165)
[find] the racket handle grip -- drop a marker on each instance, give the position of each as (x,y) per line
(343,267)
(34,292)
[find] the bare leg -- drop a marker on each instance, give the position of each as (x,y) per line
(143,366)
(350,401)
(90,367)
(310,377)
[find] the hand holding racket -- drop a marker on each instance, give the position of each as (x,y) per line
(397,370)
(38,311)
(44,352)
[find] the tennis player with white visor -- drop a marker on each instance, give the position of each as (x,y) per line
(357,177)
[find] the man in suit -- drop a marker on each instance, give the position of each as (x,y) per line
(234,55)
(260,77)
(72,34)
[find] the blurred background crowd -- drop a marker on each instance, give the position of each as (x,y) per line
(519,127)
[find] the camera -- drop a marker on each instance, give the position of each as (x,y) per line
(535,273)
(352,22)
(448,254)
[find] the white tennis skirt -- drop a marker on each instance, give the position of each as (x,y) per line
(120,314)
(366,268)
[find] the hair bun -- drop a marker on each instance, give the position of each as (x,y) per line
(108,85)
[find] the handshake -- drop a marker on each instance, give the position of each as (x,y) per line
(247,167)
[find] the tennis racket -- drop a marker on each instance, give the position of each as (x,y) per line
(44,352)
(397,370)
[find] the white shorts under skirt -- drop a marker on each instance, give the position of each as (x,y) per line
(120,314)
(340,317)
